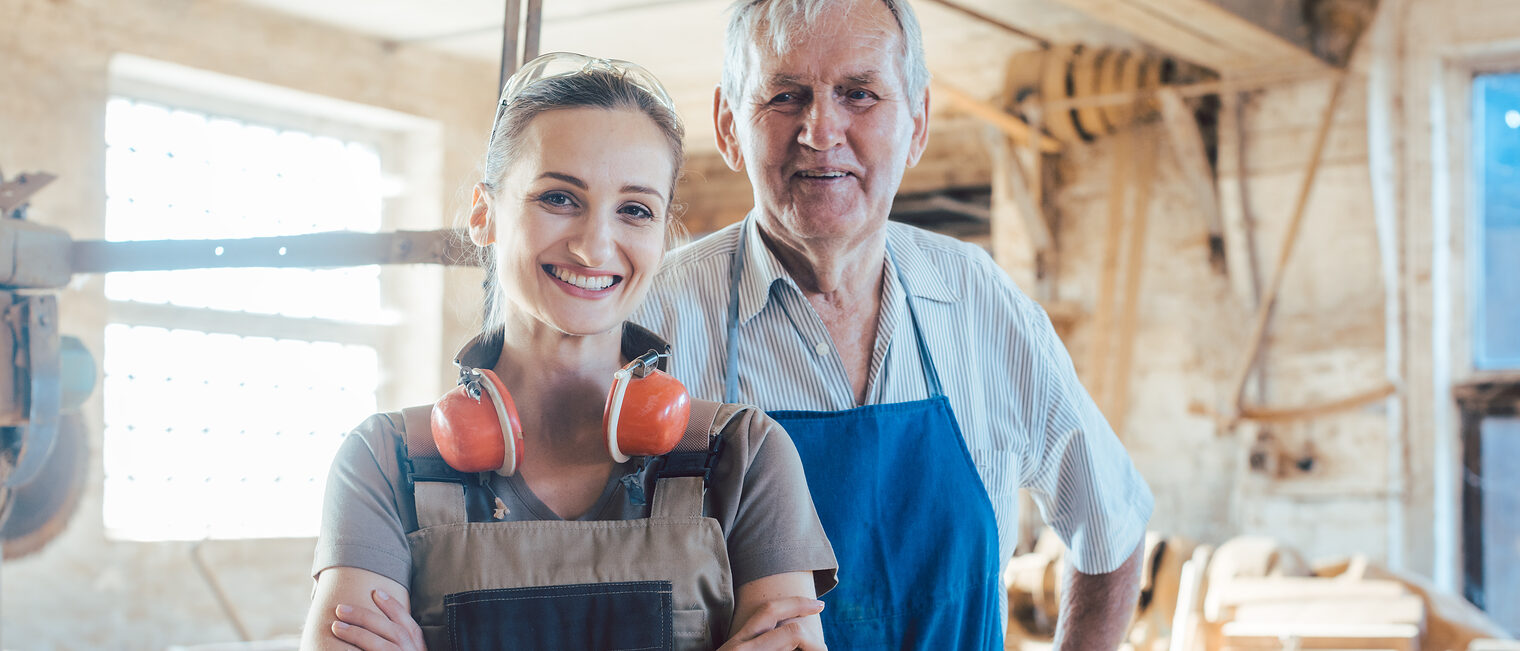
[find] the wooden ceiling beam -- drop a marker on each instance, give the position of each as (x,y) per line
(1200,32)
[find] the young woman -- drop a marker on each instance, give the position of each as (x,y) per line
(569,543)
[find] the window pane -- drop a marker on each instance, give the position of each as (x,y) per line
(175,174)
(1501,521)
(216,435)
(1496,326)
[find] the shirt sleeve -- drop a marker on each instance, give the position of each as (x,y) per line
(765,507)
(1080,475)
(361,522)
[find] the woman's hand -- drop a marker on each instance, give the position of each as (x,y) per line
(342,598)
(780,625)
(777,612)
(393,629)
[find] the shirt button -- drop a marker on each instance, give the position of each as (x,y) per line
(822,348)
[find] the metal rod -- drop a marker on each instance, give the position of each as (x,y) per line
(508,44)
(531,29)
(335,249)
(995,22)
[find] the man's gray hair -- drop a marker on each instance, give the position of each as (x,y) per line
(786,21)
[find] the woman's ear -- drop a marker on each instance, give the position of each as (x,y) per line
(482,220)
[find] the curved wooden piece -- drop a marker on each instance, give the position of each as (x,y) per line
(1286,414)
(1085,72)
(1054,85)
(1111,81)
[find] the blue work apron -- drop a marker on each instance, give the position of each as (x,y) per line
(905,510)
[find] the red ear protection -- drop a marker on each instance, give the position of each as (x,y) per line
(646,410)
(475,425)
(477,430)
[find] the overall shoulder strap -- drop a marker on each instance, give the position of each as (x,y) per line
(681,476)
(437,489)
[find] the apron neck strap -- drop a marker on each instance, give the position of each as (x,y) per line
(736,270)
(931,374)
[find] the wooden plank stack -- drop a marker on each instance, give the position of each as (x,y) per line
(1253,593)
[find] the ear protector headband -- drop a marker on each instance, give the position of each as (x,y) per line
(477,429)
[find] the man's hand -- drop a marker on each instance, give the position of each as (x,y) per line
(1096,608)
(392,629)
(780,625)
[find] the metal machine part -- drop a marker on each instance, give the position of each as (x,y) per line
(44,389)
(37,513)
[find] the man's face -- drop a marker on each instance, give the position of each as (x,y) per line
(826,128)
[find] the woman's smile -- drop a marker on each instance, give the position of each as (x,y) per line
(584,283)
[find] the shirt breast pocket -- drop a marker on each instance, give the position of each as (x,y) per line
(999,470)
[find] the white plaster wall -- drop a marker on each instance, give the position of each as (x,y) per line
(1324,341)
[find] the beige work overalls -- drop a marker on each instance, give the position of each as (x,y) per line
(661,582)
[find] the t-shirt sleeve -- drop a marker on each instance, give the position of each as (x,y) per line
(361,523)
(767,512)
(1079,474)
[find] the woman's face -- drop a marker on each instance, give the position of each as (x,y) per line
(579,219)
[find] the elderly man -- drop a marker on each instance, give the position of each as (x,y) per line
(921,387)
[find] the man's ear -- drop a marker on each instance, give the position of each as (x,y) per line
(920,133)
(723,125)
(482,220)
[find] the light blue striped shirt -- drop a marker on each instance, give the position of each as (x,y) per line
(1026,419)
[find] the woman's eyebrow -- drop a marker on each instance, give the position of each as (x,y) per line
(564,177)
(642,189)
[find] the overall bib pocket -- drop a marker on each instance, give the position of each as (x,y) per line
(625,616)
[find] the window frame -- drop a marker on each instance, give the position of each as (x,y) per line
(410,150)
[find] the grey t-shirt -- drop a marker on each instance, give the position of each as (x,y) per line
(758,495)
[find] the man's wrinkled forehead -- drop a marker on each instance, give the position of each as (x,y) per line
(780,59)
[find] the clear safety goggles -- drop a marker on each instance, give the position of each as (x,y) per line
(569,64)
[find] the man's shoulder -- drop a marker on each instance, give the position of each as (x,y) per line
(967,270)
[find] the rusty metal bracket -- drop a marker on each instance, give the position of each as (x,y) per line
(45,397)
(15,192)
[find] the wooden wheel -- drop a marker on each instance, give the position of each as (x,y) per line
(1111,81)
(1129,82)
(1021,79)
(1150,80)
(1085,72)
(1055,85)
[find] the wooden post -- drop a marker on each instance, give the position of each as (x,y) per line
(1134,268)
(1020,234)
(1097,357)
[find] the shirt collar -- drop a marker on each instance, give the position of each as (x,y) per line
(924,280)
(484,349)
(762,269)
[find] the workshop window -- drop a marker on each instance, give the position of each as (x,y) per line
(1496,273)
(227,391)
(1489,403)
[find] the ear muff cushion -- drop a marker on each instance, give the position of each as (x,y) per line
(471,433)
(651,418)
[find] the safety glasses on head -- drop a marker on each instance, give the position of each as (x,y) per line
(568,64)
